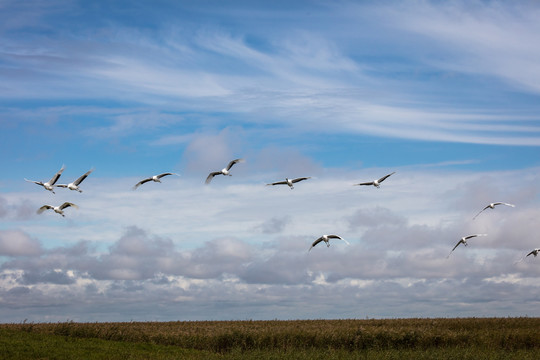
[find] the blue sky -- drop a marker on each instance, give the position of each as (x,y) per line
(445,94)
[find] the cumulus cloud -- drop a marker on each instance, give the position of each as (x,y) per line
(18,243)
(274,225)
(217,258)
(393,262)
(376,217)
(56,276)
(3,207)
(135,256)
(212,152)
(21,209)
(285,162)
(135,243)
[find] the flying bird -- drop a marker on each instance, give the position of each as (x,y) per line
(49,185)
(463,241)
(376,183)
(492,206)
(325,238)
(534,252)
(289,182)
(57,209)
(155,178)
(224,171)
(75,185)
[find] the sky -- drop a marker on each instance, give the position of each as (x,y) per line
(444,94)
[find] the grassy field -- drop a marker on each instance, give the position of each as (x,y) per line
(471,338)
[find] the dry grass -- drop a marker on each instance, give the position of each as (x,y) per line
(506,334)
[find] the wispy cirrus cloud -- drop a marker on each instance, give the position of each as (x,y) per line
(311,76)
(493,38)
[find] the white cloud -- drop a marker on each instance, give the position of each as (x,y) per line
(155,80)
(3,207)
(206,150)
(302,81)
(491,38)
(18,243)
(274,225)
(194,253)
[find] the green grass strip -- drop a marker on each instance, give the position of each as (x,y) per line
(24,345)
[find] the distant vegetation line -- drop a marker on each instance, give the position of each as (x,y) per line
(505,334)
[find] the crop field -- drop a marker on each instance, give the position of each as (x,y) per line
(467,338)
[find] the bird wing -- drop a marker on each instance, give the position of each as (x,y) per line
(56,176)
(211,176)
(165,174)
(366,183)
(385,176)
(43,208)
(459,242)
(234,162)
(532,252)
(315,243)
(337,237)
(141,182)
(35,182)
(480,212)
(80,179)
(503,203)
(68,204)
(278,183)
(474,235)
(299,179)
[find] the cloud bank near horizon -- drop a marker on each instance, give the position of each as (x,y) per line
(195,257)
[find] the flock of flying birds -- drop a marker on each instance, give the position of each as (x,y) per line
(51,184)
(464,239)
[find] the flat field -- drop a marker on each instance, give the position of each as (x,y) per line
(463,338)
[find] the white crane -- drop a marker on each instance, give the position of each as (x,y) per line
(57,209)
(463,241)
(49,185)
(534,252)
(325,238)
(75,185)
(155,178)
(376,183)
(289,182)
(492,206)
(224,171)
